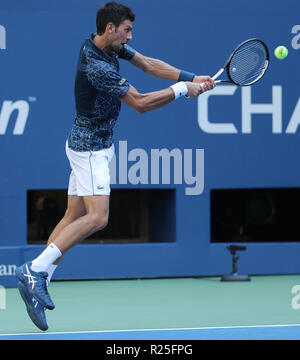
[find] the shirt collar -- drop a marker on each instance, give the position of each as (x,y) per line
(100,52)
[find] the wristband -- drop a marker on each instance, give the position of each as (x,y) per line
(180,89)
(186,76)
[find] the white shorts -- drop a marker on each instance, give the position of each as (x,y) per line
(90,171)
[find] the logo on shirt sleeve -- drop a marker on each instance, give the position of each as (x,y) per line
(122,81)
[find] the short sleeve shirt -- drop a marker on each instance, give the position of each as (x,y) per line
(98,90)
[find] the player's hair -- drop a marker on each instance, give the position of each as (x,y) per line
(112,12)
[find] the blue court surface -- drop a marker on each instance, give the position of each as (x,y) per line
(265,332)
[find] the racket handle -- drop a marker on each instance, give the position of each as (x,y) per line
(218,81)
(217,75)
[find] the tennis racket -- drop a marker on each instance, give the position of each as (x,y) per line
(247,63)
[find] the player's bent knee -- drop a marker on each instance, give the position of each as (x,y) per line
(104,223)
(71,216)
(98,222)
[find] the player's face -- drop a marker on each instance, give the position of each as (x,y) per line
(121,35)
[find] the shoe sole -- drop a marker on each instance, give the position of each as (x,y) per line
(31,314)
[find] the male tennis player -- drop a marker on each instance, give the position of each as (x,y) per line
(99,91)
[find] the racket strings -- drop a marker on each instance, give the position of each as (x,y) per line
(248,63)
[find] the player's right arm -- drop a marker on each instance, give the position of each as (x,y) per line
(156,99)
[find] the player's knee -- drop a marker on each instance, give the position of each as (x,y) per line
(103,221)
(71,215)
(98,221)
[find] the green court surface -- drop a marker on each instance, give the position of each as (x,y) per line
(159,304)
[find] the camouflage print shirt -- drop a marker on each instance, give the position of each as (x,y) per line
(98,90)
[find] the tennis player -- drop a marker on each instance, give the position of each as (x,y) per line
(99,91)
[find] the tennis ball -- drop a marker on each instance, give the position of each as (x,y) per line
(281,52)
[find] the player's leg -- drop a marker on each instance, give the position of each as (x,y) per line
(96,218)
(28,279)
(75,209)
(84,216)
(89,180)
(34,277)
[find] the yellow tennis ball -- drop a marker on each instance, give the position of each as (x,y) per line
(281,52)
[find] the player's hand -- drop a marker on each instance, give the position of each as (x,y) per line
(205,78)
(196,89)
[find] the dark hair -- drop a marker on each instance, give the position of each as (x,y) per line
(112,12)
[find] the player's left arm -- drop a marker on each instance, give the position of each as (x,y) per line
(161,69)
(155,67)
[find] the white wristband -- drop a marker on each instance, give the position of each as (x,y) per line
(180,89)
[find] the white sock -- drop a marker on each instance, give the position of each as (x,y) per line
(50,271)
(47,257)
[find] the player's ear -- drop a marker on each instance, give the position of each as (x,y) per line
(110,27)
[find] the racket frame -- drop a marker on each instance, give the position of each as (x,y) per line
(227,63)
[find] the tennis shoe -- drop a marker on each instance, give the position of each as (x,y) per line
(36,285)
(34,309)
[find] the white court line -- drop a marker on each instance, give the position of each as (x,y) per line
(146,330)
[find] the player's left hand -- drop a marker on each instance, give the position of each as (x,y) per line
(204,78)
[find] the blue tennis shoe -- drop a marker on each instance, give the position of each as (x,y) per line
(35,283)
(35,310)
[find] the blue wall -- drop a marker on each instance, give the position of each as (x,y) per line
(37,69)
